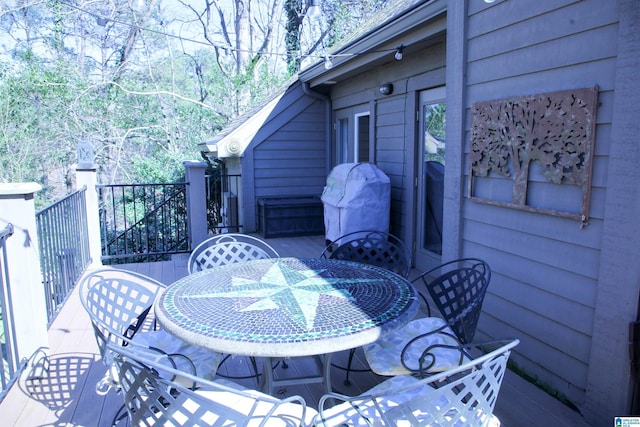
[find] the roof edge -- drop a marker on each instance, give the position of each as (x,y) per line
(371,40)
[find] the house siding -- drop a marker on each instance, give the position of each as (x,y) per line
(545,268)
(391,144)
(568,291)
(287,157)
(610,388)
(394,119)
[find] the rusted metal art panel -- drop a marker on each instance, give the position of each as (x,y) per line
(556,130)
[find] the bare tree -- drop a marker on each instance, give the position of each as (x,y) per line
(241,34)
(99,71)
(143,81)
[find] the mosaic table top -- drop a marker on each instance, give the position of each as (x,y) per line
(286,307)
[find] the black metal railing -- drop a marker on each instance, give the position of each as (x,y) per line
(11,365)
(142,222)
(222,202)
(63,239)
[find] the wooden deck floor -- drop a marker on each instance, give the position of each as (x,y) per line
(64,395)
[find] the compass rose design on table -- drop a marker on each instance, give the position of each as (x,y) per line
(286,307)
(295,291)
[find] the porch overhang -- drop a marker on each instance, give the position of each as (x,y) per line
(413,28)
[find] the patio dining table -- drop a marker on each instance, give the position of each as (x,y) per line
(282,308)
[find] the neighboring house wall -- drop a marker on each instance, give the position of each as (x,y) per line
(546,270)
(287,156)
(394,121)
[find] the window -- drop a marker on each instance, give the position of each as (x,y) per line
(353,142)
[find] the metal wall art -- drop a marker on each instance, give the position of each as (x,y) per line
(551,132)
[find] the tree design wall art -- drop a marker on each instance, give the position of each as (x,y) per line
(551,133)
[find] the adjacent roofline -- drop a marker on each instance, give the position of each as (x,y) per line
(234,138)
(236,141)
(415,21)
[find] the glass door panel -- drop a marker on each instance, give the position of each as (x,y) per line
(431,170)
(344,147)
(362,137)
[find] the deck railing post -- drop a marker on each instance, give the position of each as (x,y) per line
(87,177)
(27,296)
(196,202)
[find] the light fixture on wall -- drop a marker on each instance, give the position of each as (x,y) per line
(386,89)
(398,54)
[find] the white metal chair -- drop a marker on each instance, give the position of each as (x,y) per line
(458,291)
(223,249)
(119,304)
(462,396)
(152,399)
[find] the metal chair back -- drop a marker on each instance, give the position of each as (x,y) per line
(372,247)
(464,395)
(224,249)
(458,292)
(369,247)
(119,305)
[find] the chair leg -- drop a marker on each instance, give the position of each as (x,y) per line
(352,352)
(120,416)
(348,368)
(254,365)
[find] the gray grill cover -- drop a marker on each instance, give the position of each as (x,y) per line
(357,197)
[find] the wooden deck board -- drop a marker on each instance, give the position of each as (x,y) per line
(66,395)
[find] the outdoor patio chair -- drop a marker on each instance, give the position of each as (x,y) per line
(461,396)
(223,249)
(229,248)
(119,304)
(152,399)
(370,247)
(458,291)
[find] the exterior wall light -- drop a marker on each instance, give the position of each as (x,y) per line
(386,89)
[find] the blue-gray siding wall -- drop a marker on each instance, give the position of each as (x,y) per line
(288,154)
(619,279)
(292,161)
(545,269)
(394,117)
(391,144)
